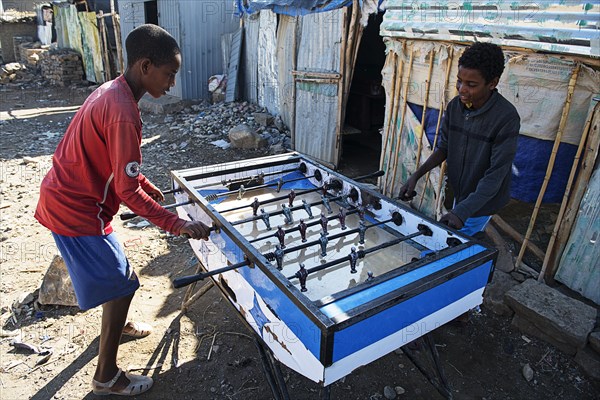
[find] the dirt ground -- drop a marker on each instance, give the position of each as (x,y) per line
(206,353)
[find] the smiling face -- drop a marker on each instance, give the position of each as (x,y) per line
(157,80)
(472,88)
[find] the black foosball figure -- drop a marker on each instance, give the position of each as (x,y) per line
(281,236)
(279,184)
(279,257)
(291,197)
(255,206)
(325,200)
(302,274)
(370,276)
(241,192)
(302,228)
(362,229)
(287,213)
(353,257)
(323,242)
(342,217)
(325,188)
(307,208)
(323,222)
(361,212)
(265,217)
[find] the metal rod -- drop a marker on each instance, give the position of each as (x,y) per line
(130,215)
(361,253)
(279,184)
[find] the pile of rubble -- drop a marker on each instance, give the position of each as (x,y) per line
(16,72)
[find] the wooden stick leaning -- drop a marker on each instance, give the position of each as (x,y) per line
(425,103)
(390,111)
(561,128)
(399,136)
(439,121)
(563,205)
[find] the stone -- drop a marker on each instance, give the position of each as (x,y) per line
(389,393)
(550,315)
(56,286)
(589,361)
(264,119)
(163,105)
(242,137)
(527,372)
(493,297)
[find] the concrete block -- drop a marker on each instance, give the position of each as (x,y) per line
(493,297)
(163,105)
(589,360)
(562,319)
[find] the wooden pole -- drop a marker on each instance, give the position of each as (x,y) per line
(563,205)
(340,89)
(512,232)
(586,168)
(439,121)
(392,126)
(116,19)
(399,136)
(561,128)
(425,103)
(102,31)
(438,203)
(393,57)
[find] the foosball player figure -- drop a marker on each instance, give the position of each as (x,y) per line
(291,197)
(362,229)
(325,200)
(370,276)
(325,188)
(302,274)
(241,192)
(279,257)
(323,242)
(361,212)
(287,213)
(279,184)
(353,258)
(280,236)
(265,217)
(323,222)
(342,217)
(302,228)
(307,208)
(255,206)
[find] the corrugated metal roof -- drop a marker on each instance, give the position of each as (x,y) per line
(565,26)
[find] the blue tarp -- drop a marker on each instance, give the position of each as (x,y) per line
(289,7)
(530,163)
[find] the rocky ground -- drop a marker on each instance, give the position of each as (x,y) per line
(205,353)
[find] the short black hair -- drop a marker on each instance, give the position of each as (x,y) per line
(487,58)
(152,42)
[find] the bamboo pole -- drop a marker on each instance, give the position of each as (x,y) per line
(341,92)
(561,128)
(565,200)
(103,45)
(425,103)
(390,111)
(392,130)
(116,19)
(512,232)
(398,137)
(439,121)
(438,204)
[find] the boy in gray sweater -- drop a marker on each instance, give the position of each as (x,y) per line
(478,140)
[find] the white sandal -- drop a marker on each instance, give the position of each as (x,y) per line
(138,384)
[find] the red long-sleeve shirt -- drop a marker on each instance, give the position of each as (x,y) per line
(96,166)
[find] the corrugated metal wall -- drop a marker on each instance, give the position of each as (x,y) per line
(202,22)
(198,26)
(565,26)
(268,82)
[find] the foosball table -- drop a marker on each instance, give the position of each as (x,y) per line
(329,273)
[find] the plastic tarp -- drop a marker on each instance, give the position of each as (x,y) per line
(290,7)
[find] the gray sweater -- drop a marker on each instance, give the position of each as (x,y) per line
(480,146)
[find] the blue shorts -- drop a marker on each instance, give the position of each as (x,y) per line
(475,224)
(98,268)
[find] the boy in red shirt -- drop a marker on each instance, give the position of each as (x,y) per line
(96,166)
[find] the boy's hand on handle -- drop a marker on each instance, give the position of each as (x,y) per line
(195,230)
(407,191)
(452,221)
(156,195)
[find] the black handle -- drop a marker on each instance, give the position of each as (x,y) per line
(186,280)
(375,174)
